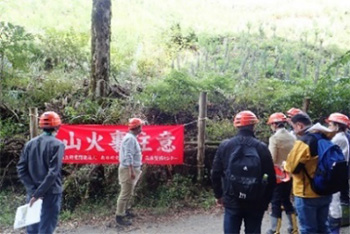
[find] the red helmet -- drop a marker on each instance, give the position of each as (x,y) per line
(293,111)
(277,117)
(49,120)
(338,118)
(281,175)
(134,123)
(245,118)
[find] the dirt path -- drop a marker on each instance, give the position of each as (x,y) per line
(188,223)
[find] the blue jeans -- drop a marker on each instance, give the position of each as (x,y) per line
(233,219)
(334,225)
(49,215)
(313,214)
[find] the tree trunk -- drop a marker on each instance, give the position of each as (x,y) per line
(100,47)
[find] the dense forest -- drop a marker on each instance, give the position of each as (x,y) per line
(256,55)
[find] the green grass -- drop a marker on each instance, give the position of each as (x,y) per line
(9,201)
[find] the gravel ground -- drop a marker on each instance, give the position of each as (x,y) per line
(197,223)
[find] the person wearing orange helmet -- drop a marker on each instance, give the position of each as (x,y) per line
(39,169)
(338,123)
(312,208)
(130,161)
(280,144)
(290,113)
(243,177)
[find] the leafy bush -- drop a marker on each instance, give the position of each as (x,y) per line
(177,93)
(219,130)
(9,201)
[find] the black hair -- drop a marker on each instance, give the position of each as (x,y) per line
(280,124)
(302,118)
(248,127)
(342,127)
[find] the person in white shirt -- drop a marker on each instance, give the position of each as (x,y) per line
(338,123)
(130,159)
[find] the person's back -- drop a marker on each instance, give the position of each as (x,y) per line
(280,144)
(240,205)
(245,138)
(39,169)
(40,152)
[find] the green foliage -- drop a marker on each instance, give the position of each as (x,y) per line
(45,89)
(330,96)
(241,64)
(177,40)
(178,92)
(178,192)
(67,50)
(16,46)
(9,128)
(219,130)
(9,203)
(83,183)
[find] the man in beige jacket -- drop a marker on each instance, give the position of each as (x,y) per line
(280,144)
(130,159)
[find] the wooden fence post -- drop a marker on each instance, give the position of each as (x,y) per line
(33,124)
(306,104)
(201,135)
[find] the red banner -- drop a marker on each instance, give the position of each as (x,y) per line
(100,144)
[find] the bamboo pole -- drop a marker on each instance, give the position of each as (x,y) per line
(33,124)
(201,135)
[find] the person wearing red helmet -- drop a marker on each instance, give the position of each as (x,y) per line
(312,208)
(243,177)
(290,113)
(130,161)
(338,123)
(280,144)
(39,169)
(293,111)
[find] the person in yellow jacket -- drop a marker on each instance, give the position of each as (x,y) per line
(312,209)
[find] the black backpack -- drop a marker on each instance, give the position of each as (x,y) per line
(244,179)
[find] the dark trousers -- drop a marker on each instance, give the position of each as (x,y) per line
(233,219)
(344,195)
(49,215)
(281,196)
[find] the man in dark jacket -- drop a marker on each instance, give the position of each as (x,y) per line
(39,169)
(243,177)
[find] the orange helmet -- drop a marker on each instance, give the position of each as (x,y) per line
(49,120)
(134,123)
(338,118)
(245,118)
(281,175)
(293,111)
(276,118)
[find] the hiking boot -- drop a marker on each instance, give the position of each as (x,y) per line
(130,214)
(122,220)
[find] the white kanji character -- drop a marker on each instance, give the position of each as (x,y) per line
(165,140)
(71,144)
(144,138)
(117,138)
(93,142)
